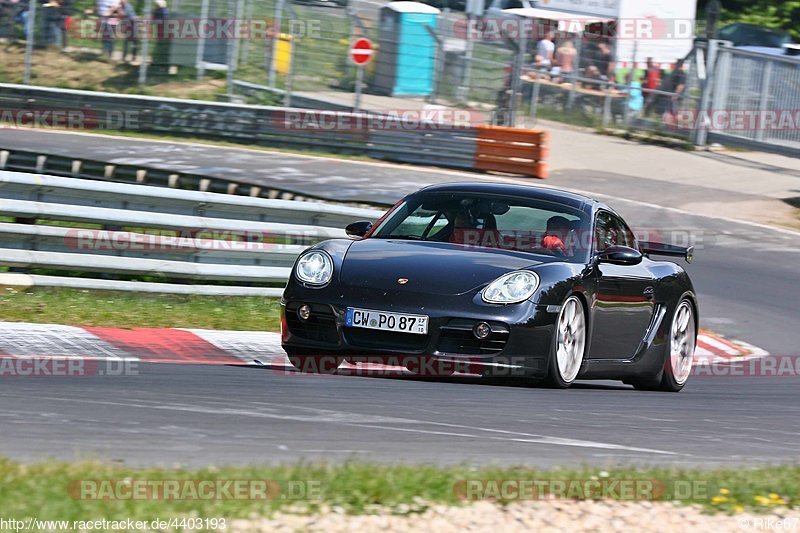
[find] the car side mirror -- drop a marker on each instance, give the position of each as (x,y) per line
(358,229)
(620,255)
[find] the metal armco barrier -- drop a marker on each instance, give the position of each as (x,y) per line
(71,167)
(512,150)
(387,138)
(141,231)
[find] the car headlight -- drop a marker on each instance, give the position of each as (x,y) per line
(511,288)
(315,268)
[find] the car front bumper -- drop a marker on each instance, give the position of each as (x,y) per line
(519,343)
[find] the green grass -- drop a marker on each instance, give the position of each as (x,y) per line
(48,490)
(129,310)
(87,69)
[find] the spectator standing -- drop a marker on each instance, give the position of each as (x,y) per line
(635,94)
(105,10)
(64,19)
(603,60)
(545,49)
(675,84)
(22,16)
(51,15)
(129,29)
(161,49)
(565,58)
(8,10)
(652,76)
(652,81)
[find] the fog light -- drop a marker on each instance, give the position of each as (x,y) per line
(482,330)
(304,312)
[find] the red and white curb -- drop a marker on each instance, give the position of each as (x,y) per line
(712,347)
(24,340)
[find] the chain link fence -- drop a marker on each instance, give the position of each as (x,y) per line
(292,52)
(754,101)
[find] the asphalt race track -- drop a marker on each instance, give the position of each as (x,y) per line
(746,277)
(200,414)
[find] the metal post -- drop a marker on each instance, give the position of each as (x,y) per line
(287,96)
(275,37)
(575,70)
(701,130)
(607,106)
(244,57)
(516,79)
(356,24)
(713,11)
(766,80)
(359,84)
(466,72)
(30,37)
(438,56)
(626,110)
(351,16)
(148,14)
(535,98)
(200,63)
(233,47)
(612,80)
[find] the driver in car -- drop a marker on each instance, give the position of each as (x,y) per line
(557,232)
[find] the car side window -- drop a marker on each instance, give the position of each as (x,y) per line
(611,231)
(626,236)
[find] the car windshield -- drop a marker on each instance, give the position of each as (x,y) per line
(483,221)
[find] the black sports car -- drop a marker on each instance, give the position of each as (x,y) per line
(513,280)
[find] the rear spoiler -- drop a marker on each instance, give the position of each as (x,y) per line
(656,248)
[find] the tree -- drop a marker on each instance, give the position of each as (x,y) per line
(783,15)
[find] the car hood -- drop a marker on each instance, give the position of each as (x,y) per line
(429,267)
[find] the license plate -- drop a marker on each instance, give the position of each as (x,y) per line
(365,318)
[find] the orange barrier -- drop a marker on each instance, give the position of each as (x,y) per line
(512,150)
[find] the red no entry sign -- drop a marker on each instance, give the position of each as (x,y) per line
(361,51)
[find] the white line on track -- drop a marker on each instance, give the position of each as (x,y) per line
(536,439)
(373,422)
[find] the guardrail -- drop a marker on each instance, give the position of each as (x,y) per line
(80,226)
(73,167)
(388,138)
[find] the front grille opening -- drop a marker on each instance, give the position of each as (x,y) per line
(320,326)
(457,338)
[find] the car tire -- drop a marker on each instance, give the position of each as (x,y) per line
(314,364)
(568,346)
(677,367)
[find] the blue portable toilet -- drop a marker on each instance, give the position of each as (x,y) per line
(407,51)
